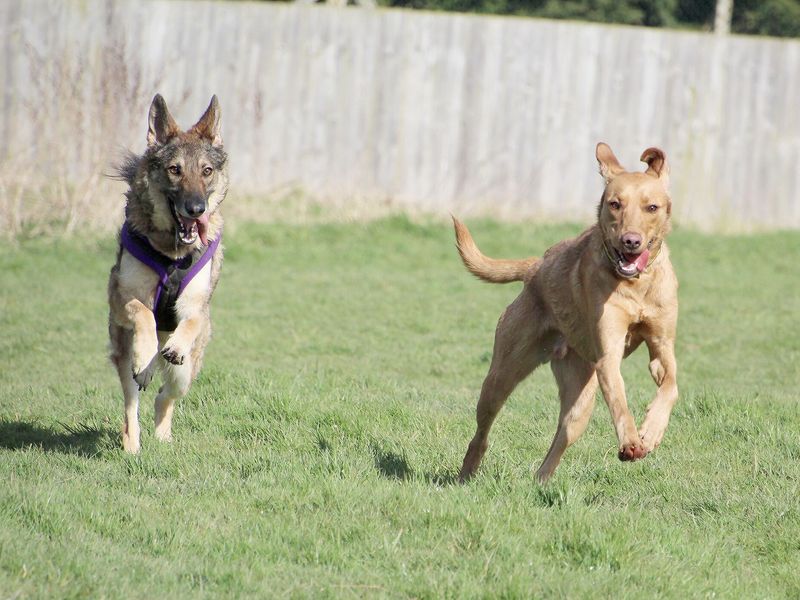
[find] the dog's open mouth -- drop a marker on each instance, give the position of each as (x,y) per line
(188,230)
(630,265)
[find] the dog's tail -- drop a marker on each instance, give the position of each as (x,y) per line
(489,269)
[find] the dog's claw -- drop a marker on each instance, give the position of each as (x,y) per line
(172,356)
(143,378)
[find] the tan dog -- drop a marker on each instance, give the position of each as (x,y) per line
(587,304)
(168,262)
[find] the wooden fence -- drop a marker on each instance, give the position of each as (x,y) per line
(436,112)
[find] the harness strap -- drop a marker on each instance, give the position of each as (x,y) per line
(173,275)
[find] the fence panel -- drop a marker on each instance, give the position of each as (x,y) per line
(433,111)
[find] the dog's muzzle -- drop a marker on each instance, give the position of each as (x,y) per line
(193,224)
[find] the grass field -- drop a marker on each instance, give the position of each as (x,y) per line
(316,455)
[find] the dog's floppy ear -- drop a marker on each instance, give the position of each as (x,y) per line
(657,165)
(208,125)
(162,126)
(609,165)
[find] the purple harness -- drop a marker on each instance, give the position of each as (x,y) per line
(173,275)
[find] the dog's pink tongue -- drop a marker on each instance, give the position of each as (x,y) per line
(641,261)
(202,228)
(638,260)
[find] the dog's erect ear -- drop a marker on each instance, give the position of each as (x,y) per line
(162,126)
(657,165)
(208,125)
(609,165)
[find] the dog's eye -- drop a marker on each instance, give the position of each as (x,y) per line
(174,169)
(652,208)
(614,205)
(207,171)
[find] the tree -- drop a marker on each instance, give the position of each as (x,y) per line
(765,17)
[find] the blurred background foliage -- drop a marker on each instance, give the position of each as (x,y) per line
(761,17)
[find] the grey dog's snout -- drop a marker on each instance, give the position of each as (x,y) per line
(195,206)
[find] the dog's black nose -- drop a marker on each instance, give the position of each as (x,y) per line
(631,241)
(195,207)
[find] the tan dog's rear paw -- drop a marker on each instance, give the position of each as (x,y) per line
(631,452)
(465,475)
(472,459)
(543,475)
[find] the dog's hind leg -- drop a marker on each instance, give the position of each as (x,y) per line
(122,358)
(199,347)
(516,354)
(496,388)
(577,384)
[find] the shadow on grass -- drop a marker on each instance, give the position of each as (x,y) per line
(391,465)
(395,466)
(81,439)
(442,479)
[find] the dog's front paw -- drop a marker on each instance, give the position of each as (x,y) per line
(144,375)
(172,355)
(145,348)
(650,440)
(143,378)
(176,349)
(651,433)
(655,424)
(632,451)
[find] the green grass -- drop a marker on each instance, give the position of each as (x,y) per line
(316,454)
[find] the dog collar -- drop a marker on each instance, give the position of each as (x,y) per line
(173,275)
(613,260)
